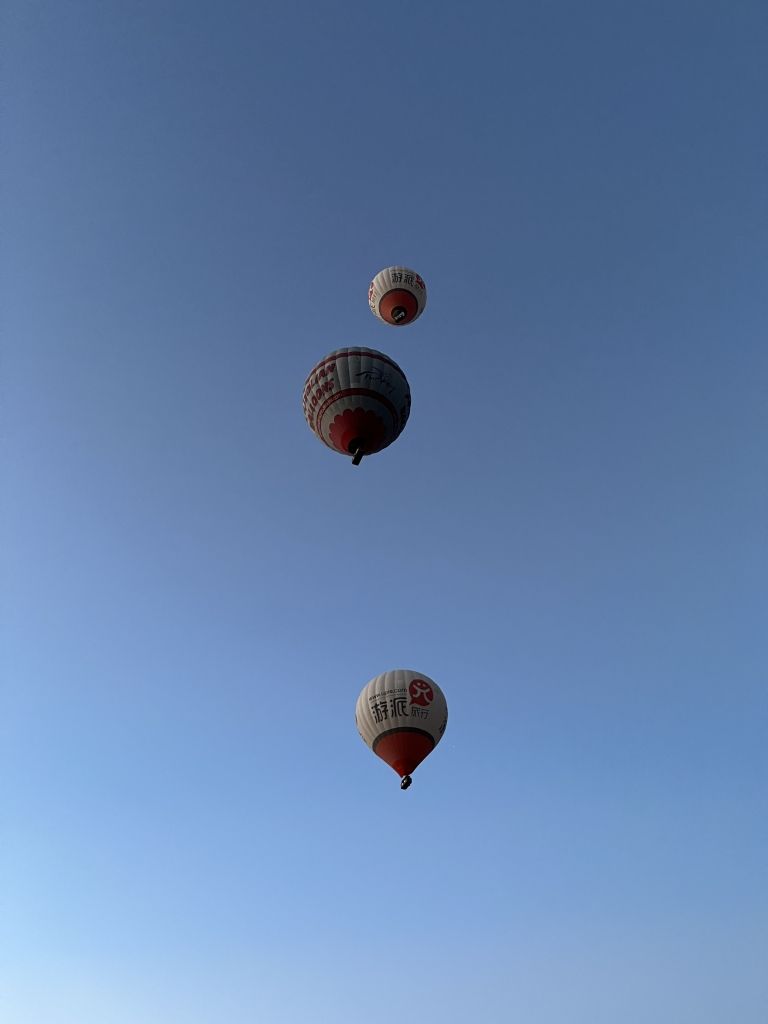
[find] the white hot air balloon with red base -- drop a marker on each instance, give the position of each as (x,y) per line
(397,296)
(401,715)
(357,401)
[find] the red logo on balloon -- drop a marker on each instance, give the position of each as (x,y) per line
(421,693)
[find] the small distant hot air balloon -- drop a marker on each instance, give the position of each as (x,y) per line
(357,401)
(401,715)
(397,296)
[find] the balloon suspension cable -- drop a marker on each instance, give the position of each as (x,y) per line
(405,782)
(357,456)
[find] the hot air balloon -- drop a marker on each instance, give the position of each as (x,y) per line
(357,401)
(397,296)
(401,715)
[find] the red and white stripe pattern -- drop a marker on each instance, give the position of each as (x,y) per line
(357,399)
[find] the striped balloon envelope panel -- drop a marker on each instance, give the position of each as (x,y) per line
(401,715)
(357,401)
(397,296)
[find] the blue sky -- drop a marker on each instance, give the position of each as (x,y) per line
(569,536)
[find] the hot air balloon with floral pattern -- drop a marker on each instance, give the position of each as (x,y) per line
(357,401)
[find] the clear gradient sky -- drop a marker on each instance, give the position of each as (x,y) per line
(570,535)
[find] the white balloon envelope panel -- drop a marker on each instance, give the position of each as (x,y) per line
(357,401)
(401,715)
(397,296)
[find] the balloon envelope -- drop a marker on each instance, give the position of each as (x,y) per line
(401,715)
(357,401)
(397,295)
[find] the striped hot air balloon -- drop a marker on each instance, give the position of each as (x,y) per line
(357,401)
(397,296)
(401,715)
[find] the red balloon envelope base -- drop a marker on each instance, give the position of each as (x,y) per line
(404,749)
(361,426)
(398,306)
